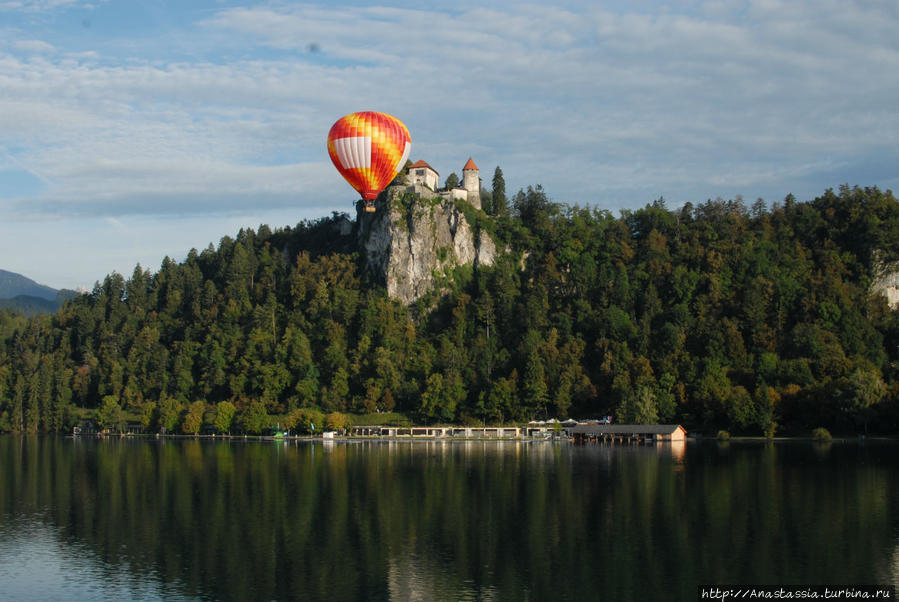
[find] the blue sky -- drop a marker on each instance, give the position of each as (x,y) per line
(131,130)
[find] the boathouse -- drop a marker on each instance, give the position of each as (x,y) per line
(628,432)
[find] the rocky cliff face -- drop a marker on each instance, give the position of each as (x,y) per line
(886,282)
(410,243)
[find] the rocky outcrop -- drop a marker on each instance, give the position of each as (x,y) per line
(410,243)
(886,282)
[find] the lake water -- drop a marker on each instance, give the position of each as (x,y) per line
(184,519)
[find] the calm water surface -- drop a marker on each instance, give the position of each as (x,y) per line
(146,519)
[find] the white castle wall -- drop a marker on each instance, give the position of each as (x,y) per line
(472,185)
(424,176)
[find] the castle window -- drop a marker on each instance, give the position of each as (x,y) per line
(419,172)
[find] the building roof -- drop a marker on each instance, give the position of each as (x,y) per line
(470,165)
(618,429)
(421,163)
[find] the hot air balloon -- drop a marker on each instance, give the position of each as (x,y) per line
(369,149)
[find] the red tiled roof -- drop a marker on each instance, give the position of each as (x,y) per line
(470,165)
(420,163)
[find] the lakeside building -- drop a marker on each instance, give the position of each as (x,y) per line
(580,433)
(435,431)
(616,432)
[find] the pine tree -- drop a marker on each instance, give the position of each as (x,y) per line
(535,391)
(452,181)
(499,205)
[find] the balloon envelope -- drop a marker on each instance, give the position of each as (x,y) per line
(369,149)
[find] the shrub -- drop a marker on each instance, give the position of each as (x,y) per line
(723,436)
(306,420)
(193,419)
(336,421)
(821,434)
(109,415)
(254,419)
(224,416)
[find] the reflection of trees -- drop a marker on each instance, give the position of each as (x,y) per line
(474,519)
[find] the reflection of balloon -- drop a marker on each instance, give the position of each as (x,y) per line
(369,149)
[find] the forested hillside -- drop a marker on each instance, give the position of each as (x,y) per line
(755,319)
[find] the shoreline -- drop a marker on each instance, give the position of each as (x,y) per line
(407,438)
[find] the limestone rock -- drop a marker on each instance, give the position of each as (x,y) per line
(410,244)
(886,281)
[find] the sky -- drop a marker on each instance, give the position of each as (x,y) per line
(131,130)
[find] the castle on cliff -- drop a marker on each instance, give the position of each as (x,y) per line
(424,181)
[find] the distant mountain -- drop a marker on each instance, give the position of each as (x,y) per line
(29,305)
(12,285)
(29,297)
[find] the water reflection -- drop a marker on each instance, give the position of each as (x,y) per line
(822,449)
(36,563)
(678,450)
(448,520)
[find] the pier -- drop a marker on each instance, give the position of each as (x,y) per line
(492,432)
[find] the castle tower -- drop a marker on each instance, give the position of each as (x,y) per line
(471,182)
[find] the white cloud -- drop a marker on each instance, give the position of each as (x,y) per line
(38,6)
(35,46)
